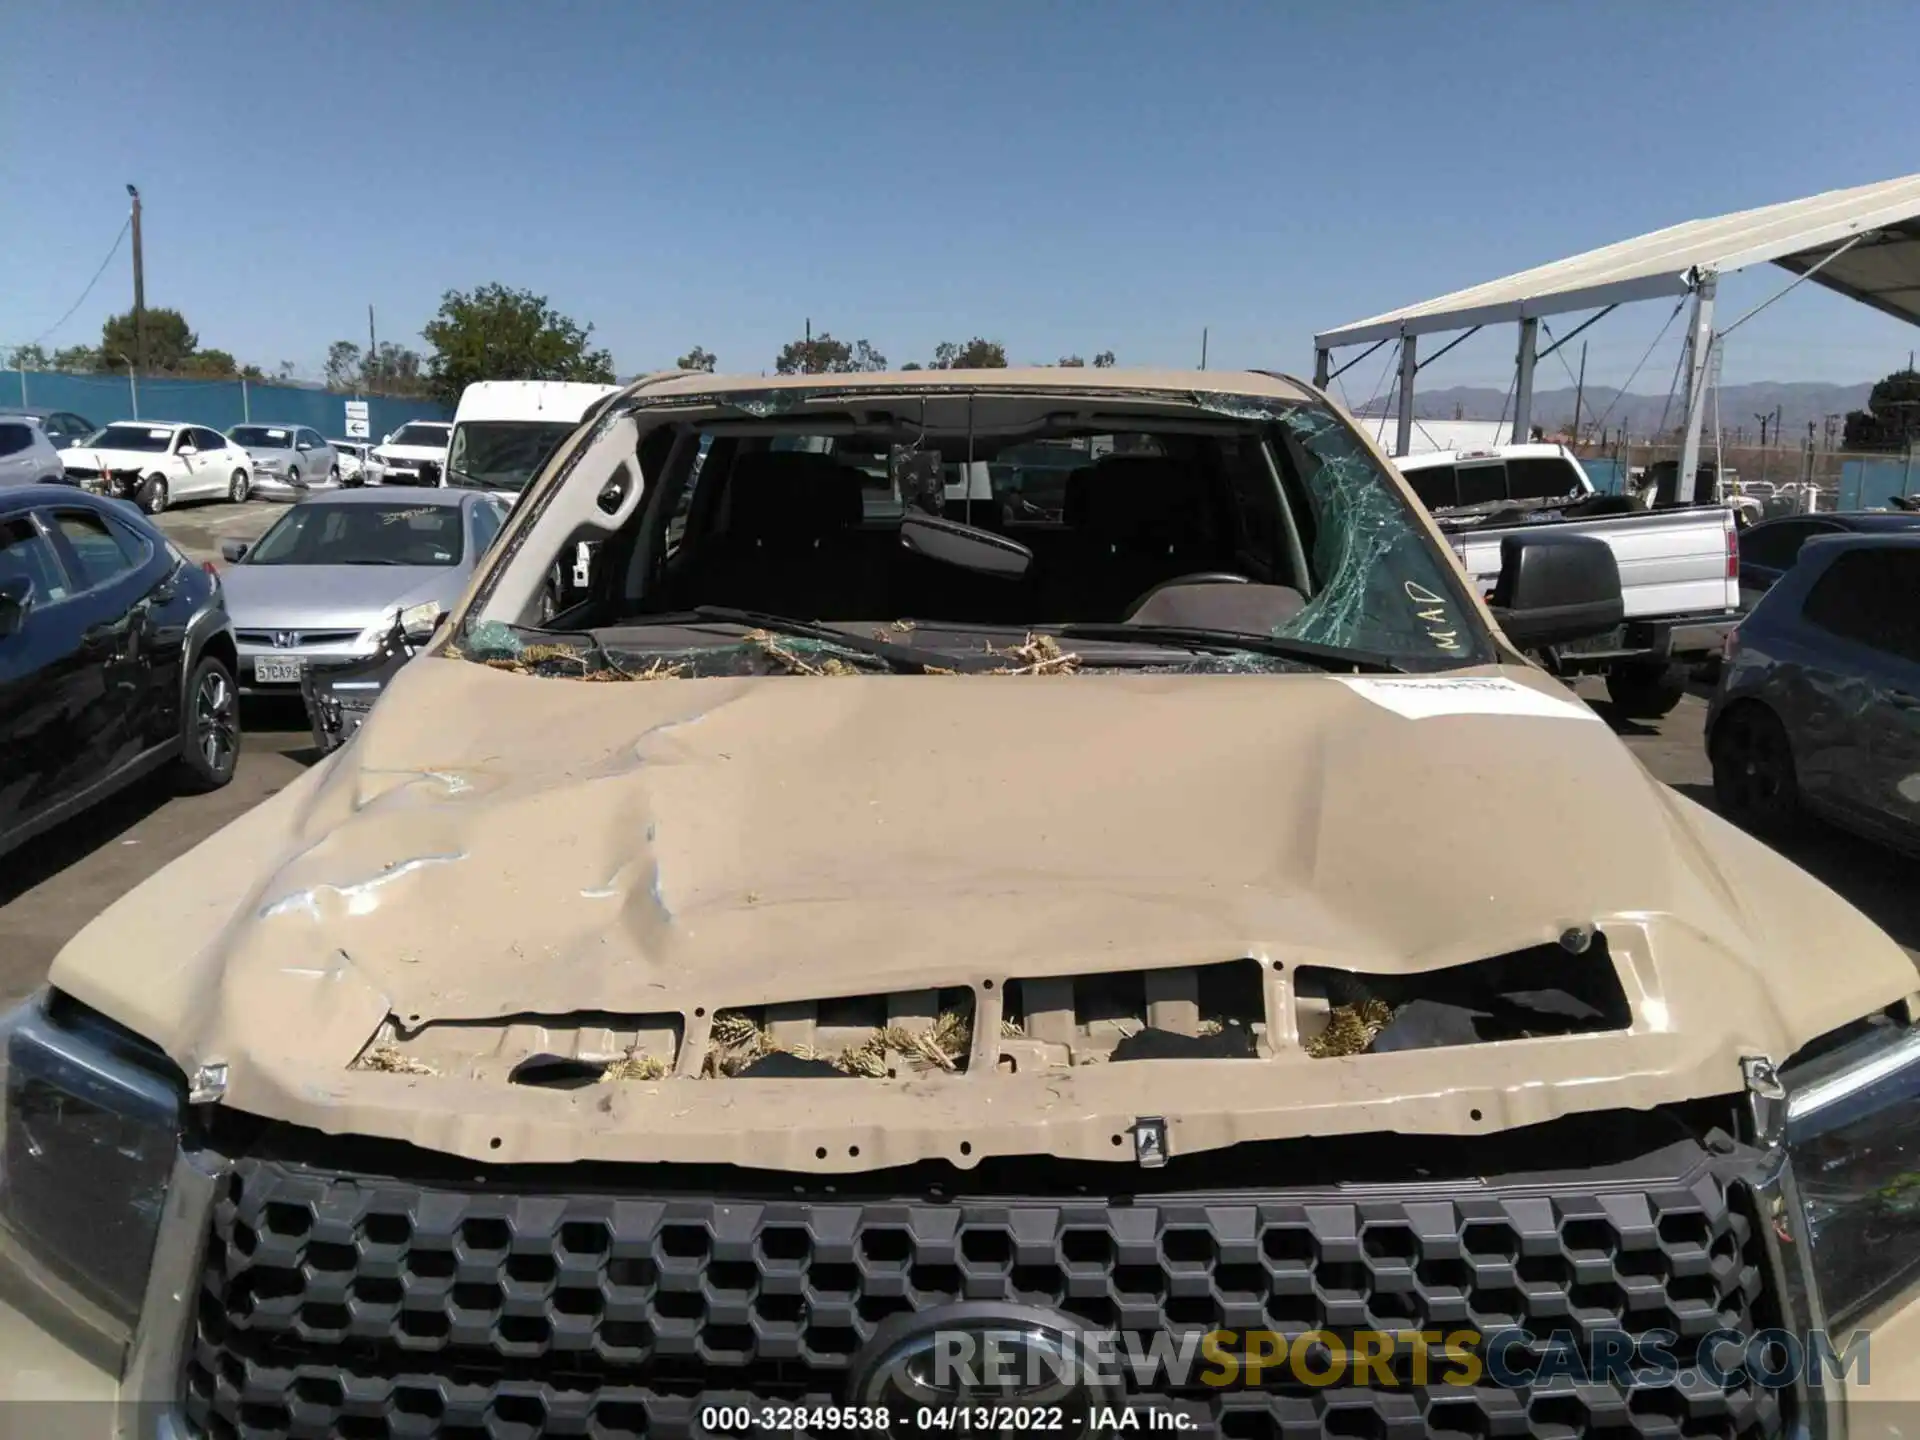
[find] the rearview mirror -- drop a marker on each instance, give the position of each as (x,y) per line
(233,549)
(964,546)
(1556,588)
(16,598)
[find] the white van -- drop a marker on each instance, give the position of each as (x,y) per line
(505,430)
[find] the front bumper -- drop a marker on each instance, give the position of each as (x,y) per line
(315,659)
(279,487)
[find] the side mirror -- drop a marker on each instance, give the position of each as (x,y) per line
(1556,588)
(387,439)
(16,599)
(233,550)
(964,546)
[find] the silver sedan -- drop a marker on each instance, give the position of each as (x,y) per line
(289,461)
(335,574)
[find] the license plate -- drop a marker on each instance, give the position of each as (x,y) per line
(270,669)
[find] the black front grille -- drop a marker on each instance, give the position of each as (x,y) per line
(334,1305)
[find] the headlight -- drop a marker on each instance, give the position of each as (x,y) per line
(1853,1136)
(371,637)
(88,1135)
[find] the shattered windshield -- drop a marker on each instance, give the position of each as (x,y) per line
(503,454)
(1217,534)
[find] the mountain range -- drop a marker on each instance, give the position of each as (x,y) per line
(1797,401)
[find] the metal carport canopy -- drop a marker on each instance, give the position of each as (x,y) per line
(1881,270)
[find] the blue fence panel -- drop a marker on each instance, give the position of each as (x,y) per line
(1608,476)
(221,404)
(1869,484)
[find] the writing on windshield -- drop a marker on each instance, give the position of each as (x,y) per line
(359,534)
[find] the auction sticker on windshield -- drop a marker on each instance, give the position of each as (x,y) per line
(1424,698)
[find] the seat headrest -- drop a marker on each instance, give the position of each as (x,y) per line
(1128,495)
(791,493)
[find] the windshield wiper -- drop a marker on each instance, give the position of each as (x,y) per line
(898,657)
(1311,652)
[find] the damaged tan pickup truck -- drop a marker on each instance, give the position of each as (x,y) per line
(1043,854)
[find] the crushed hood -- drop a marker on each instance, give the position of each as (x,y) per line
(494,845)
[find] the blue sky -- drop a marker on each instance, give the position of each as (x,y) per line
(1065,177)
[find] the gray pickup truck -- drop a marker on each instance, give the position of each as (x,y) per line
(1679,567)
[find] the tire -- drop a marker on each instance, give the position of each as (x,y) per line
(1642,690)
(210,727)
(1755,784)
(153,494)
(239,487)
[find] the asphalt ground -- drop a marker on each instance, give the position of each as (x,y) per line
(51,887)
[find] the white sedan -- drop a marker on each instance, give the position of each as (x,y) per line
(155,465)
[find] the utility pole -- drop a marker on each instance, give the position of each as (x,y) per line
(1579,392)
(139,289)
(1764,420)
(373,350)
(1203,347)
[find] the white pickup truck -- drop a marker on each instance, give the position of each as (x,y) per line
(1679,567)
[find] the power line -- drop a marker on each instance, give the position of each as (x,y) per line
(90,284)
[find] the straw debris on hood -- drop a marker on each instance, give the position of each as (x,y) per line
(1351,1029)
(736,1041)
(635,1066)
(1038,655)
(388,1058)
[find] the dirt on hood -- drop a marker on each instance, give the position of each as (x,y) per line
(840,924)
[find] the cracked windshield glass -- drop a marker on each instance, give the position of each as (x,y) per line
(1220,535)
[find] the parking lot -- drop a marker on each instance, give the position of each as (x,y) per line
(53,887)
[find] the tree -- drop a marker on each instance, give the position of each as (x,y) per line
(1104,360)
(76,358)
(976,354)
(394,371)
(209,362)
(170,340)
(252,372)
(823,355)
(1891,420)
(284,370)
(494,333)
(27,357)
(345,365)
(698,358)
(1072,362)
(913,365)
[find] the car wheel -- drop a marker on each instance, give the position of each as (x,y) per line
(1754,781)
(153,494)
(239,487)
(1646,691)
(210,739)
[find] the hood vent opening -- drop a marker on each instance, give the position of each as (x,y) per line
(875,1037)
(558,1051)
(1189,1012)
(1539,991)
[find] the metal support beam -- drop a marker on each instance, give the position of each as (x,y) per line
(1523,381)
(1409,367)
(1321,358)
(1698,367)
